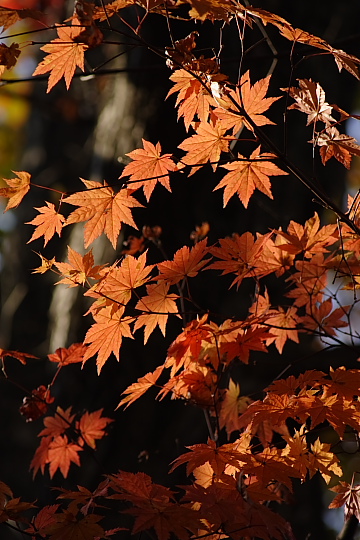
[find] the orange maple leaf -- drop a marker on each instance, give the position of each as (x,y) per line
(61,453)
(246,175)
(58,424)
(239,343)
(47,223)
(158,303)
(193,97)
(186,263)
(18,188)
(41,456)
(148,168)
(206,145)
(252,99)
(218,457)
(283,327)
(64,54)
(240,255)
(324,461)
(103,210)
(231,407)
(79,268)
(72,355)
(187,346)
(106,334)
(120,281)
(136,390)
(46,264)
(92,426)
(324,317)
(105,12)
(310,238)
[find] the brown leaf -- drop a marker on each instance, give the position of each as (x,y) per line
(338,145)
(310,99)
(8,56)
(18,188)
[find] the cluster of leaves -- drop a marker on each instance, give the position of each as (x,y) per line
(232,483)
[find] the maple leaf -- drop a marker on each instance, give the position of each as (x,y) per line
(8,56)
(106,334)
(283,327)
(187,263)
(218,457)
(79,268)
(103,210)
(206,145)
(154,506)
(232,406)
(240,255)
(148,168)
(345,60)
(310,238)
(338,145)
(64,55)
(105,12)
(41,456)
(193,98)
(9,16)
(119,283)
(310,99)
(252,99)
(42,519)
(15,354)
(46,264)
(239,343)
(246,175)
(36,405)
(348,496)
(158,303)
(84,497)
(92,426)
(325,318)
(13,510)
(211,9)
(18,188)
(74,528)
(324,461)
(136,390)
(58,424)
(61,453)
(188,344)
(71,355)
(47,223)
(269,465)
